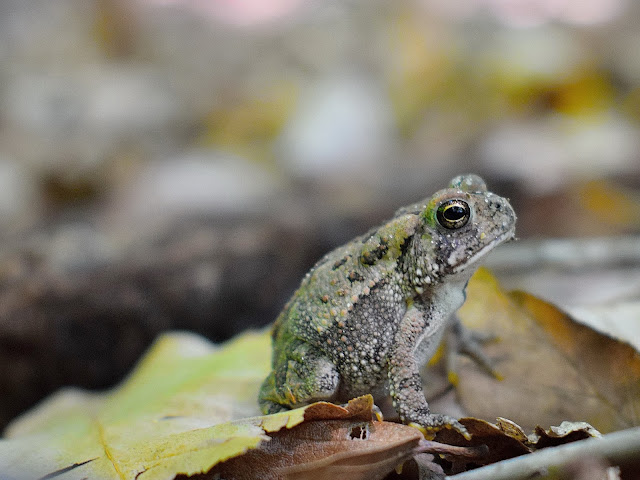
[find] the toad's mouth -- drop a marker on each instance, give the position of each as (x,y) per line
(466,262)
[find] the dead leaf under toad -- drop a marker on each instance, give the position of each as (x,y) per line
(326,450)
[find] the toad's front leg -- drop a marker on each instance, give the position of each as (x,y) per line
(405,383)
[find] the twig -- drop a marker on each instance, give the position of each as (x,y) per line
(617,448)
(428,446)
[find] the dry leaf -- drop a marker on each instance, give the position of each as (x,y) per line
(566,432)
(326,450)
(554,368)
(506,440)
(501,444)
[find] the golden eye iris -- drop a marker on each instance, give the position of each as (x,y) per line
(453,214)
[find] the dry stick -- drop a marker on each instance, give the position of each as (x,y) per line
(617,448)
(475,452)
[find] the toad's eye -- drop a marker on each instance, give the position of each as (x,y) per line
(453,214)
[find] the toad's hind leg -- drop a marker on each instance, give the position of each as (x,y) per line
(300,379)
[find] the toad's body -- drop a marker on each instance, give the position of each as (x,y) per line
(370,313)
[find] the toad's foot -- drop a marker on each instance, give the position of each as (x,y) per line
(435,423)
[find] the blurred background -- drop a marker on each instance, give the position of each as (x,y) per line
(179,164)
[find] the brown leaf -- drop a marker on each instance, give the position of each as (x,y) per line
(506,440)
(359,408)
(554,368)
(512,429)
(501,445)
(326,449)
(566,432)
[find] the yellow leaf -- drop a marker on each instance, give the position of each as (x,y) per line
(174,414)
(249,126)
(610,203)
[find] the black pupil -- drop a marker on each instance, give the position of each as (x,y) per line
(453,213)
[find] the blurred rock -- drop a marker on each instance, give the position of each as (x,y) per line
(545,53)
(19,202)
(81,118)
(244,14)
(547,153)
(48,34)
(344,127)
(197,182)
(526,13)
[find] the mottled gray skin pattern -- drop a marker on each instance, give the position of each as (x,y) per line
(371,313)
